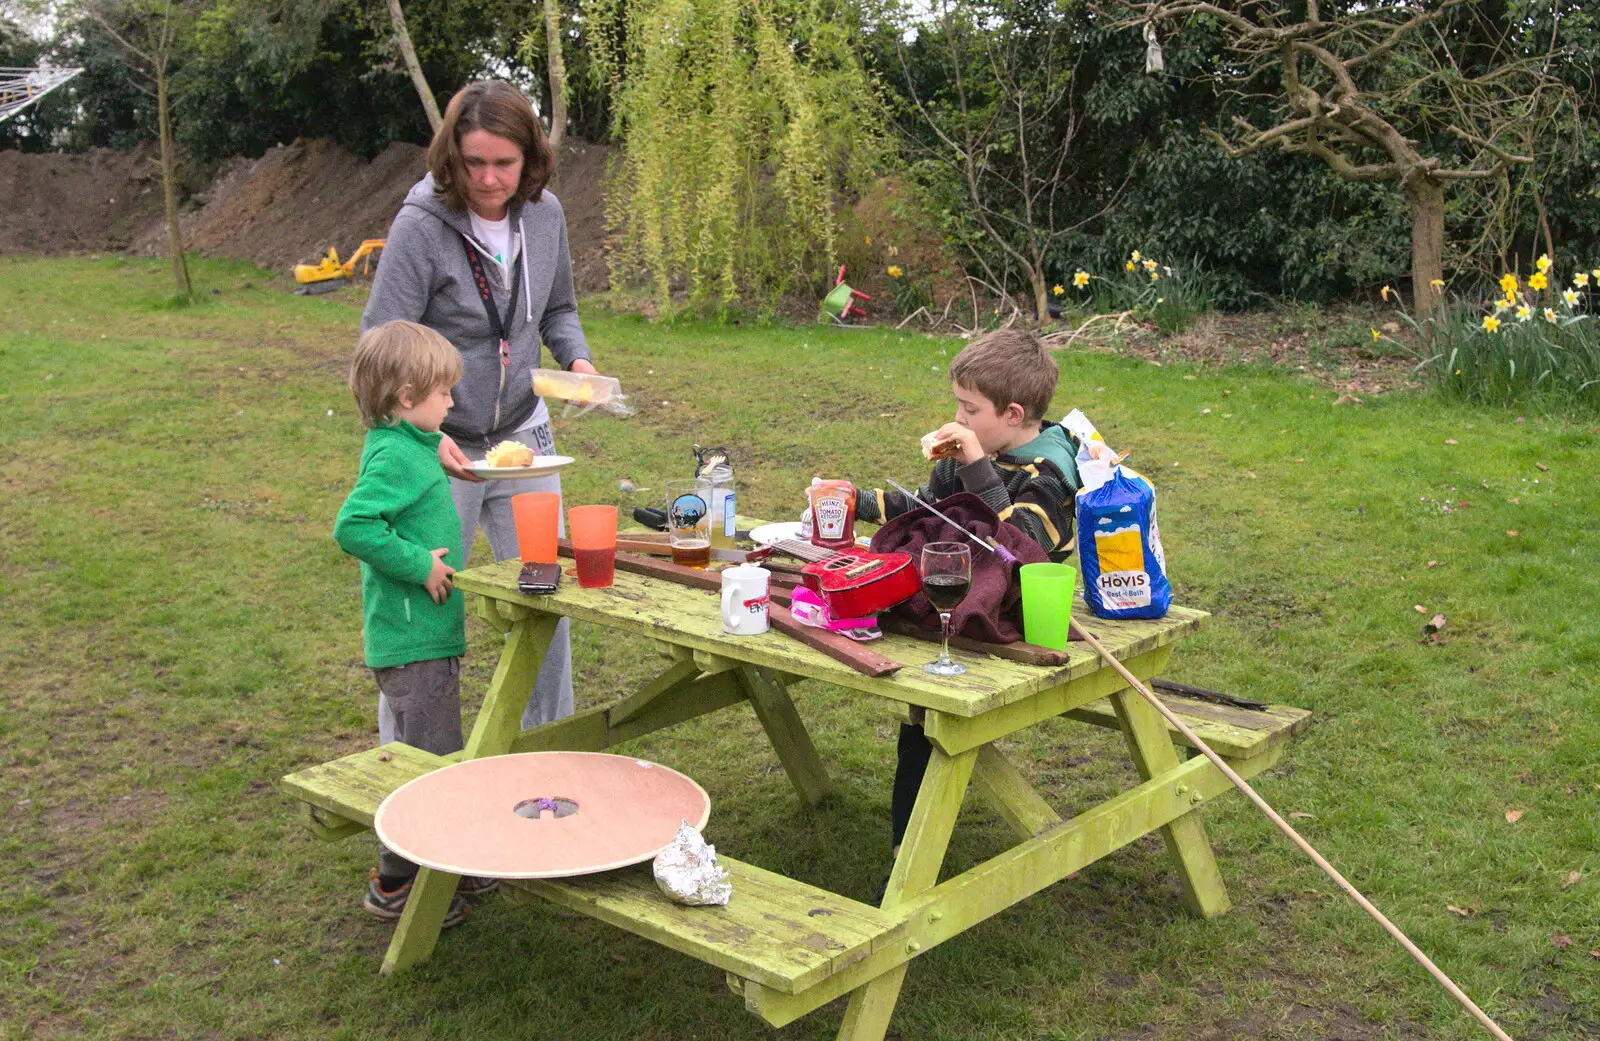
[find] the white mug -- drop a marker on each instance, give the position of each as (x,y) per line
(744,600)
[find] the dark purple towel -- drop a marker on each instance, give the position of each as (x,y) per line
(992,610)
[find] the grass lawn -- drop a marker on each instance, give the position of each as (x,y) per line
(179,630)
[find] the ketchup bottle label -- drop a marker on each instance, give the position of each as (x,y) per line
(830,518)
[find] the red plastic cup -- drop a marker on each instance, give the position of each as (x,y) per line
(537,516)
(594,544)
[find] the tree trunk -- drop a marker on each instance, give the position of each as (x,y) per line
(1041,295)
(558,73)
(169,192)
(1427,242)
(413,66)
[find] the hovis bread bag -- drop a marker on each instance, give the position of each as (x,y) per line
(1119,541)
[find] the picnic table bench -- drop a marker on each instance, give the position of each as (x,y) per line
(789,947)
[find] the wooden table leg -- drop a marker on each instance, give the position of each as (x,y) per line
(1004,788)
(916,870)
(787,732)
(498,724)
(1150,745)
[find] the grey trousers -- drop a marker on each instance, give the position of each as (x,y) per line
(419,704)
(488,504)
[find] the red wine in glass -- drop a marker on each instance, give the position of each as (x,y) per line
(946,591)
(946,578)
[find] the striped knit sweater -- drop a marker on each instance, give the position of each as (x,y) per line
(1033,494)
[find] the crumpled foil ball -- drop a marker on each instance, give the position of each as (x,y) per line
(687,870)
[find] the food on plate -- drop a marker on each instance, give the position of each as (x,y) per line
(936,447)
(509,453)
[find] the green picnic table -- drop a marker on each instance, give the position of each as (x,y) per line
(789,947)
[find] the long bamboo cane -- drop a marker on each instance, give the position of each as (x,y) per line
(1294,836)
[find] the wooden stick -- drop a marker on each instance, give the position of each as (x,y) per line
(1294,836)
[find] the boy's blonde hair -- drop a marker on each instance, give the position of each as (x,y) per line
(1008,365)
(398,355)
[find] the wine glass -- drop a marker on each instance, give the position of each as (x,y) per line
(946,577)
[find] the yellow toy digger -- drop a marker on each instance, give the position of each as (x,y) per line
(329,274)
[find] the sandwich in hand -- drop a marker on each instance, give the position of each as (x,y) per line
(936,447)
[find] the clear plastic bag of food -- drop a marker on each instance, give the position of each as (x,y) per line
(582,393)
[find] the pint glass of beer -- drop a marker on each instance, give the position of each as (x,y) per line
(689,521)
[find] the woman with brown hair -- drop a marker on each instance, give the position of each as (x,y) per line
(478,252)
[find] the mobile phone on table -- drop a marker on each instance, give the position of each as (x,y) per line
(539,578)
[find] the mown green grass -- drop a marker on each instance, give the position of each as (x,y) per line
(179,630)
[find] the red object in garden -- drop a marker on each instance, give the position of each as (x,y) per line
(841,300)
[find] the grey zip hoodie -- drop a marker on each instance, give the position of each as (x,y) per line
(423,276)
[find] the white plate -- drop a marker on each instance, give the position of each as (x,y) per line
(541,465)
(767,534)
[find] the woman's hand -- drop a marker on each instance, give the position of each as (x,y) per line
(584,366)
(455,461)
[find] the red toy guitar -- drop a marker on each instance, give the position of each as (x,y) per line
(852,584)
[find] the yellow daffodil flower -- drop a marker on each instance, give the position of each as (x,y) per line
(869,240)
(1570,297)
(1543,262)
(1149,265)
(1581,279)
(1136,256)
(894,251)
(1128,266)
(1596,274)
(1490,323)
(1058,289)
(1550,316)
(1376,336)
(894,271)
(1154,275)
(1436,282)
(1524,313)
(1538,281)
(1503,305)
(1384,292)
(1508,283)
(1081,279)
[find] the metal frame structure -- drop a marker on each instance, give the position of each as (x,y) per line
(21,87)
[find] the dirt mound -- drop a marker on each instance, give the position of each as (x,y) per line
(286,207)
(86,203)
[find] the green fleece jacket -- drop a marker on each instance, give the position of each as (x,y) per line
(397,514)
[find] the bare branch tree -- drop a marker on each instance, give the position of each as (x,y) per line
(1379,95)
(1005,123)
(146,33)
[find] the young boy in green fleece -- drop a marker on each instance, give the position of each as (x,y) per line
(400,522)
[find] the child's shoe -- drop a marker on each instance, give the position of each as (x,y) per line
(472,885)
(390,904)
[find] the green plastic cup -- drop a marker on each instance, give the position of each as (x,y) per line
(1047,603)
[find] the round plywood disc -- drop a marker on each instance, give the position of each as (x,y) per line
(540,814)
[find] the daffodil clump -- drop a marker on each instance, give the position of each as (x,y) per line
(1152,290)
(909,293)
(1536,337)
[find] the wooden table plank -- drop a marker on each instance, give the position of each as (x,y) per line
(689,617)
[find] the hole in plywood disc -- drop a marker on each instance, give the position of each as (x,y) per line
(554,806)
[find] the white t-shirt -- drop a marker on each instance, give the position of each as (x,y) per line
(495,234)
(502,244)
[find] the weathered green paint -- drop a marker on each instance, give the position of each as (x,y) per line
(500,718)
(782,933)
(787,733)
(1004,788)
(692,618)
(959,903)
(957,733)
(418,932)
(327,826)
(933,819)
(1233,733)
(789,947)
(1151,749)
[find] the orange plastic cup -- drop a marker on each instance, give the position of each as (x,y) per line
(594,544)
(537,516)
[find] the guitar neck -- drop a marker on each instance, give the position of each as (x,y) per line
(803,550)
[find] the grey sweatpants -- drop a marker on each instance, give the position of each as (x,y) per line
(489,504)
(420,704)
